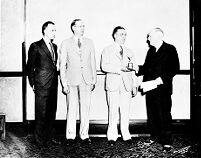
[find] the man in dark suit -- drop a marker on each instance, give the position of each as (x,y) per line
(43,78)
(161,65)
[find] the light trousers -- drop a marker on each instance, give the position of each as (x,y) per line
(119,103)
(79,96)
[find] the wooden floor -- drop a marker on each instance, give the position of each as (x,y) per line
(16,146)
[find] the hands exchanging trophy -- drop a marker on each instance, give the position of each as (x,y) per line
(132,67)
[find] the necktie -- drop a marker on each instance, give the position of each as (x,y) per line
(52,51)
(121,51)
(79,43)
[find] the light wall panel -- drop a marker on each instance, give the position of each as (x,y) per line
(11,98)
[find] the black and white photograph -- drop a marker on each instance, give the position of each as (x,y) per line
(100,79)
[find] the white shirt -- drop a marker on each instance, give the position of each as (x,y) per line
(158,45)
(118,46)
(76,39)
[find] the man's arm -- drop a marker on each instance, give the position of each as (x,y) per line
(93,64)
(62,67)
(31,63)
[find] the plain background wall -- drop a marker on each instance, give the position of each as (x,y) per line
(11,38)
(100,16)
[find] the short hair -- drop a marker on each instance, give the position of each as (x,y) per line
(116,29)
(73,24)
(158,30)
(45,26)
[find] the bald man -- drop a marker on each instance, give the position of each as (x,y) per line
(161,65)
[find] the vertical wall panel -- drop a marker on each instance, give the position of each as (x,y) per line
(11,98)
(11,38)
(12,33)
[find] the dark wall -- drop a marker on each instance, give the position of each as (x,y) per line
(196,67)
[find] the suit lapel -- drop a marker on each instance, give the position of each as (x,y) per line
(116,52)
(74,45)
(45,48)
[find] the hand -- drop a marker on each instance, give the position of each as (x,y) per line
(125,69)
(134,68)
(92,87)
(65,90)
(33,88)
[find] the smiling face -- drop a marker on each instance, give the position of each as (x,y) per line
(120,36)
(79,28)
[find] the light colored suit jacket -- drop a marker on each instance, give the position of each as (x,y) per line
(76,63)
(111,63)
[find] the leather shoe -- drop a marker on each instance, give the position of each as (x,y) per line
(149,141)
(129,141)
(111,142)
(69,142)
(167,148)
(55,141)
(86,141)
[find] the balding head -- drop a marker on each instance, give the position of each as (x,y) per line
(155,36)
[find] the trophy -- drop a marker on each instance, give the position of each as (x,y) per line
(130,65)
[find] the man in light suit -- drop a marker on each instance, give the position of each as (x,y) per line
(43,78)
(78,78)
(120,83)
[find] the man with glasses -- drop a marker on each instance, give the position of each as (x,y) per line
(78,79)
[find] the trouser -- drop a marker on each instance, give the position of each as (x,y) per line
(79,96)
(159,116)
(118,101)
(45,113)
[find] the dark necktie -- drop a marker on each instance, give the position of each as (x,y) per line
(52,51)
(79,43)
(121,51)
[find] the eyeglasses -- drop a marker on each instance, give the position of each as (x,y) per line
(80,26)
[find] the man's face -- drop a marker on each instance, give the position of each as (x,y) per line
(50,31)
(120,36)
(79,28)
(154,37)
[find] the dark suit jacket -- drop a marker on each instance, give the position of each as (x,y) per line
(164,63)
(41,68)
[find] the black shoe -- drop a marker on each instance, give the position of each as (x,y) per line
(167,148)
(55,141)
(69,142)
(86,141)
(111,142)
(129,141)
(149,141)
(39,144)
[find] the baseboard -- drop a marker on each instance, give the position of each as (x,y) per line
(98,127)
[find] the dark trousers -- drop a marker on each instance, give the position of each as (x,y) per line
(159,116)
(45,113)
